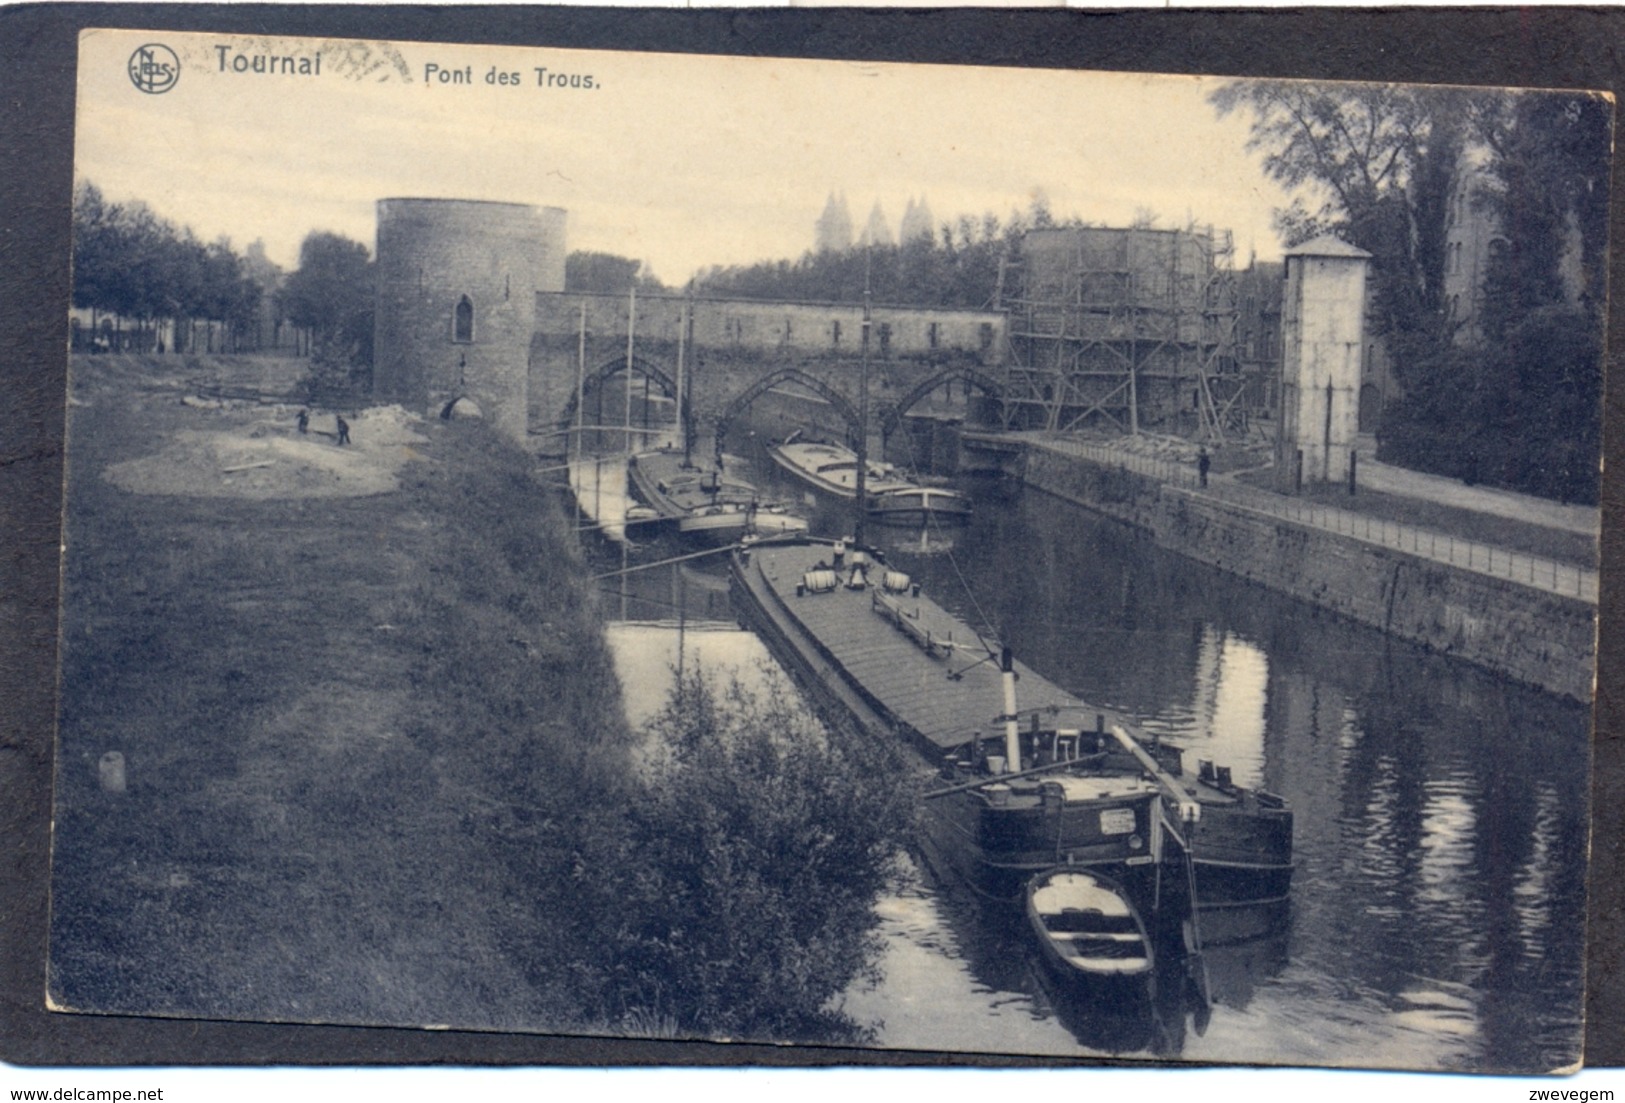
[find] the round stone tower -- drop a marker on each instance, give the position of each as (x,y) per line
(457,284)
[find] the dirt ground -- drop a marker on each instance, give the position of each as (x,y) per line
(243,636)
(244,440)
(265,456)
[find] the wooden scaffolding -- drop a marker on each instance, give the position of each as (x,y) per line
(1133,328)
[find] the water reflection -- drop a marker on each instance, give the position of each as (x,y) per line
(647,655)
(1532,894)
(1436,914)
(1447,839)
(602,494)
(938,993)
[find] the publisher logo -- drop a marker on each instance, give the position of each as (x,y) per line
(154,69)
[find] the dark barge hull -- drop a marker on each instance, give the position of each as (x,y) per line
(1241,846)
(995,854)
(1229,845)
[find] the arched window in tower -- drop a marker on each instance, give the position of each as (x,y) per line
(462,322)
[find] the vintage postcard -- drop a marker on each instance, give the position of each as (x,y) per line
(924,558)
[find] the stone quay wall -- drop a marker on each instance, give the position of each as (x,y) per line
(1542,639)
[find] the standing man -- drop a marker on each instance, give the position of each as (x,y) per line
(304,421)
(344,430)
(1203,462)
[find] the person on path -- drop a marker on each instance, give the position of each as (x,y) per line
(1203,462)
(344,430)
(304,421)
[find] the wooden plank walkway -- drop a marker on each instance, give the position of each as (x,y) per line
(915,687)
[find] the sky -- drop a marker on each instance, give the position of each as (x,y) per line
(682,161)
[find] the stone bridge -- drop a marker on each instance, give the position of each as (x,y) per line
(731,352)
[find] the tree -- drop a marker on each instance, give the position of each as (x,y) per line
(96,249)
(330,287)
(1351,145)
(330,295)
(129,262)
(1544,291)
(606,272)
(1351,154)
(737,897)
(1378,165)
(1549,166)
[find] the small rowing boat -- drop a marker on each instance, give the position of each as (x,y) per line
(1091,935)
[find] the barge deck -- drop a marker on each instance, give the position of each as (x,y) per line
(901,664)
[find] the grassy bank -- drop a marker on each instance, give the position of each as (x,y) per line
(345,722)
(374,766)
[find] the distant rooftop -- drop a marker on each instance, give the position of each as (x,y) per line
(1327,246)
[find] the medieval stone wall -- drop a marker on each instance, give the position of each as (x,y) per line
(731,344)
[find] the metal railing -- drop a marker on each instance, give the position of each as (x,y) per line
(1539,572)
(1167,471)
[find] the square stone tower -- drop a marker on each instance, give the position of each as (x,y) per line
(1322,343)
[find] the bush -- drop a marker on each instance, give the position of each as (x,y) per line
(712,876)
(750,865)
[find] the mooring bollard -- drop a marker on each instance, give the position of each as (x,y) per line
(110,771)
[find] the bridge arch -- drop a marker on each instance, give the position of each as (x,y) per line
(786,375)
(595,380)
(987,384)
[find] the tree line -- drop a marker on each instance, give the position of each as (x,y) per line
(130,263)
(960,266)
(1515,401)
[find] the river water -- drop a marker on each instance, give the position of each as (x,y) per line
(1436,918)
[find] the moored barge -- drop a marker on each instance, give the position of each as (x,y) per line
(703,502)
(1044,792)
(833,470)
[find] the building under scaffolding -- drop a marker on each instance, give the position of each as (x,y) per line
(1132,328)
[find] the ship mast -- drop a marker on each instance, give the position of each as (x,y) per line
(631,327)
(1012,727)
(581,389)
(863,413)
(682,420)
